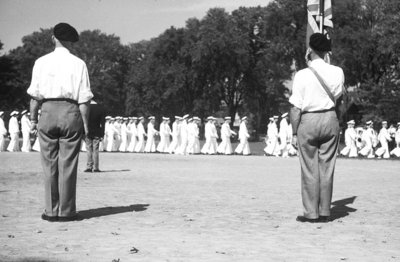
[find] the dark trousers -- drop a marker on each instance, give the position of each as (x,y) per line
(92,151)
(318,139)
(60,132)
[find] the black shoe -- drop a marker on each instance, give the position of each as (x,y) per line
(304,219)
(49,218)
(88,170)
(323,219)
(69,219)
(96,170)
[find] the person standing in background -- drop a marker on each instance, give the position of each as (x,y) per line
(97,123)
(243,147)
(3,132)
(26,131)
(13,129)
(60,83)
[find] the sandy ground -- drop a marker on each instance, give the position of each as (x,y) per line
(151,207)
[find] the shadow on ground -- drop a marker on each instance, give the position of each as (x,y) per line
(340,208)
(106,211)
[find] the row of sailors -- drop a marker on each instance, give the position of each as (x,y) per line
(366,142)
(279,143)
(128,135)
(14,131)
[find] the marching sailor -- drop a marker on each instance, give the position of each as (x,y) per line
(243,147)
(350,137)
(225,147)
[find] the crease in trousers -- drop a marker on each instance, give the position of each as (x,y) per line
(60,131)
(318,139)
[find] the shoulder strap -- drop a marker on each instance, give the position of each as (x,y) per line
(322,82)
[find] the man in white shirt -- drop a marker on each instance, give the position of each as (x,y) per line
(60,82)
(26,129)
(318,132)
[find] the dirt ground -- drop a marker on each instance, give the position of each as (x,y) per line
(152,207)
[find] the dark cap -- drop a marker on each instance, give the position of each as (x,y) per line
(320,42)
(65,32)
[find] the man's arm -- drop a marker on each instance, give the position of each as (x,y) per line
(34,108)
(84,108)
(295,117)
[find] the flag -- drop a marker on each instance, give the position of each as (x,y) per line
(313,13)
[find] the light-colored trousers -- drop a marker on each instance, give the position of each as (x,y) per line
(92,152)
(60,132)
(318,139)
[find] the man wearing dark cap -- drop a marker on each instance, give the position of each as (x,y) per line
(316,128)
(60,84)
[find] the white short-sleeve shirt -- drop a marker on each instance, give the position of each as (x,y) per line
(307,92)
(60,74)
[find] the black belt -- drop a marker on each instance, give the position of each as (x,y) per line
(318,111)
(59,100)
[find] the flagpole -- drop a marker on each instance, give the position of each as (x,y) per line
(321,15)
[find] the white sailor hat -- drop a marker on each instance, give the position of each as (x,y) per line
(12,113)
(24,112)
(369,122)
(210,118)
(185,116)
(141,118)
(384,122)
(190,119)
(112,118)
(196,118)
(125,118)
(152,117)
(351,122)
(244,118)
(227,118)
(276,117)
(284,115)
(108,117)
(1,113)
(134,118)
(271,118)
(165,118)
(398,123)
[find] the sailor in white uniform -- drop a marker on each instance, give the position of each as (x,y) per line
(350,137)
(272,147)
(141,134)
(225,147)
(396,150)
(13,129)
(243,147)
(133,134)
(124,135)
(176,135)
(26,130)
(184,136)
(165,133)
(284,134)
(151,133)
(207,135)
(384,138)
(3,132)
(368,138)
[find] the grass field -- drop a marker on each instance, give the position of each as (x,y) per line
(152,207)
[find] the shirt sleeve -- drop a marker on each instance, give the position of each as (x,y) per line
(339,88)
(33,89)
(85,94)
(296,99)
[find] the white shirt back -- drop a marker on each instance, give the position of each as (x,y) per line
(307,92)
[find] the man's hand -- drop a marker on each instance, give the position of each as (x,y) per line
(33,128)
(294,142)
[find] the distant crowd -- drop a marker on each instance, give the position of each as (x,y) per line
(128,134)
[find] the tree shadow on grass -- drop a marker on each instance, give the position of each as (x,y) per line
(106,211)
(340,208)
